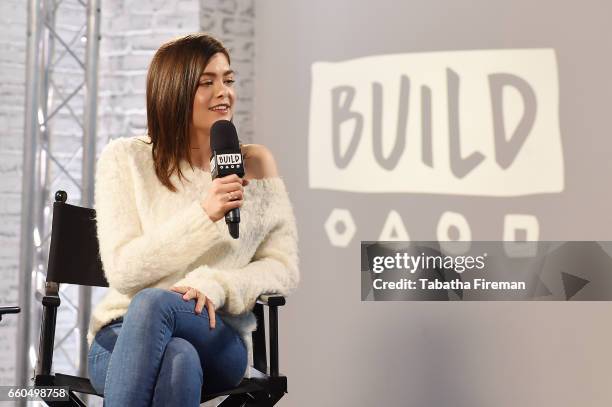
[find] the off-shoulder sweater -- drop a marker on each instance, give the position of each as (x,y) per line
(152,237)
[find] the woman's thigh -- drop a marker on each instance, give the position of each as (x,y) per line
(222,352)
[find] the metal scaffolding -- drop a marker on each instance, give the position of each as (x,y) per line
(59,153)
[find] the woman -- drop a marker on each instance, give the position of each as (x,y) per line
(177,316)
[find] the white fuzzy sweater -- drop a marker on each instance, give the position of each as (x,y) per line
(152,237)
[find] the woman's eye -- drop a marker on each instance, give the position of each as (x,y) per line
(210,83)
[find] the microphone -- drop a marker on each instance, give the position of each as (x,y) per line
(226,159)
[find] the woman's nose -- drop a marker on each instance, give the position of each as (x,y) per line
(221,90)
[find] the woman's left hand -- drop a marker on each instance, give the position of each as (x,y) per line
(258,161)
(190,293)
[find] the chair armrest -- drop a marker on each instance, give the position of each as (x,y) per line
(272,300)
(9,310)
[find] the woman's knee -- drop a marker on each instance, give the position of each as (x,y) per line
(150,300)
(183,358)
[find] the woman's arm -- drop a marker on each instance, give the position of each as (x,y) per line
(274,268)
(133,259)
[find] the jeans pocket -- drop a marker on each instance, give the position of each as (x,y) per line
(95,350)
(105,339)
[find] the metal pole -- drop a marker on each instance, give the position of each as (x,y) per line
(41,190)
(89,158)
(28,185)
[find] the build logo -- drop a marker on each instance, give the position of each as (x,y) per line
(472,123)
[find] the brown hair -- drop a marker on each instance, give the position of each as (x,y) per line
(172,82)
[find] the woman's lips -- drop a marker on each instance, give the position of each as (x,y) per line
(220,110)
(223,111)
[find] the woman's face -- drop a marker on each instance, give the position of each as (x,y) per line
(214,99)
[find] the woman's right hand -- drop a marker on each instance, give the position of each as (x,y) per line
(225,194)
(190,293)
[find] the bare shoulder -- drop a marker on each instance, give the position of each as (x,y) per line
(259,161)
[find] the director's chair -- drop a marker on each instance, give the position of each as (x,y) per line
(74,259)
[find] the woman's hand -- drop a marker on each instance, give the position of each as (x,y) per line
(225,194)
(190,293)
(258,161)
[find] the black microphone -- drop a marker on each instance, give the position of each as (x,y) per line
(226,159)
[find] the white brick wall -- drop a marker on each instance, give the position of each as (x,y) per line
(13,18)
(232,21)
(131,33)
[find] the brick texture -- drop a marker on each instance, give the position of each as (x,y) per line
(13,18)
(232,21)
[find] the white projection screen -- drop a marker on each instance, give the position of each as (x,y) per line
(436,120)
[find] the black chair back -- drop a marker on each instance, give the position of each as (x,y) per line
(74,254)
(74,259)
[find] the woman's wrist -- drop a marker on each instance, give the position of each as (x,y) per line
(205,211)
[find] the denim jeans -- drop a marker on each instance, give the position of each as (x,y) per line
(163,354)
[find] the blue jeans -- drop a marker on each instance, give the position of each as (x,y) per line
(163,354)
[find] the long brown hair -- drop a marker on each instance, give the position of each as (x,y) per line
(172,82)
